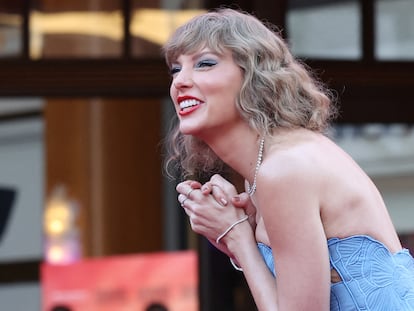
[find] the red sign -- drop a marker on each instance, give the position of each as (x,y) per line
(123,283)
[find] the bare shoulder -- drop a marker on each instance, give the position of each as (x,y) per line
(288,183)
(302,158)
(297,163)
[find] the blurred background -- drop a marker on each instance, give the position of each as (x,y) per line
(84,107)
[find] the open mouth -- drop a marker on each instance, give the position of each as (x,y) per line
(188,104)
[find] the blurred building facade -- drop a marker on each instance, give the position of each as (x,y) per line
(84,104)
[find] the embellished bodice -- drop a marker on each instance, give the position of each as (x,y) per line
(372,277)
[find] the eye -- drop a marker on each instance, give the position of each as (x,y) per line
(206,63)
(174,69)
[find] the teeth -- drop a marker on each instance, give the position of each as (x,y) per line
(189,103)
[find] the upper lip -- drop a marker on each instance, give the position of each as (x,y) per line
(187,97)
(188,101)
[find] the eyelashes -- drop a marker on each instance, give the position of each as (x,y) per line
(174,70)
(206,63)
(199,65)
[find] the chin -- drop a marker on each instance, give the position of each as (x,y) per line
(189,130)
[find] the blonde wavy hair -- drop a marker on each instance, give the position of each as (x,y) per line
(278,91)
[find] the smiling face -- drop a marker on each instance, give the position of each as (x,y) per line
(204,89)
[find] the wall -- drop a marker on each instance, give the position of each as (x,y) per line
(22,169)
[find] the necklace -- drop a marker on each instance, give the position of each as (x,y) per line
(252,189)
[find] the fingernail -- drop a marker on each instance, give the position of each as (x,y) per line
(223,201)
(236,198)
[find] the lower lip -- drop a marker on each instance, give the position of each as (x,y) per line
(188,110)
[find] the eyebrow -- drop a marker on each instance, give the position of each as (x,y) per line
(199,54)
(206,51)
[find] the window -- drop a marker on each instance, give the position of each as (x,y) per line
(394,30)
(325,31)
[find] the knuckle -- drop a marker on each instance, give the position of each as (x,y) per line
(179,186)
(216,178)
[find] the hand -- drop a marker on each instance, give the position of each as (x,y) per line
(223,191)
(208,216)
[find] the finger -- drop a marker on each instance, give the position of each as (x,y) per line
(182,198)
(195,184)
(184,187)
(188,183)
(219,195)
(207,188)
(244,202)
(187,187)
(224,184)
(241,200)
(189,192)
(217,178)
(184,204)
(187,211)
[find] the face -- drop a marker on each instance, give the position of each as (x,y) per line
(204,89)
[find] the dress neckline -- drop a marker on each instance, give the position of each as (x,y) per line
(334,240)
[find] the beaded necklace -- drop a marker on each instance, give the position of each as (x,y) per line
(251,190)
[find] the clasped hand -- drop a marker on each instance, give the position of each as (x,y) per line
(214,207)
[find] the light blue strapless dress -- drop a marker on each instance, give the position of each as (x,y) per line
(373,279)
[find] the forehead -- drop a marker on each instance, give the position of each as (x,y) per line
(193,37)
(195,49)
(193,55)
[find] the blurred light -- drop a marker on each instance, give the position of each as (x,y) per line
(58,217)
(154,25)
(55,254)
(62,243)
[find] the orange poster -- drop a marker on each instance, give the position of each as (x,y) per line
(123,283)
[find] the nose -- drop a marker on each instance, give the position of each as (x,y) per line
(183,79)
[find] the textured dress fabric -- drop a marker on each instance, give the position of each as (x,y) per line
(373,278)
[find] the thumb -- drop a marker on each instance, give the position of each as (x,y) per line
(241,200)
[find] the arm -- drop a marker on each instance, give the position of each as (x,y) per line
(292,222)
(289,204)
(296,236)
(210,219)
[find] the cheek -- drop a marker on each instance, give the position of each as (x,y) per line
(173,94)
(172,91)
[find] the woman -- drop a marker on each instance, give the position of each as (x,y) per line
(314,233)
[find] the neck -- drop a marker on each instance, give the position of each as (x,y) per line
(238,150)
